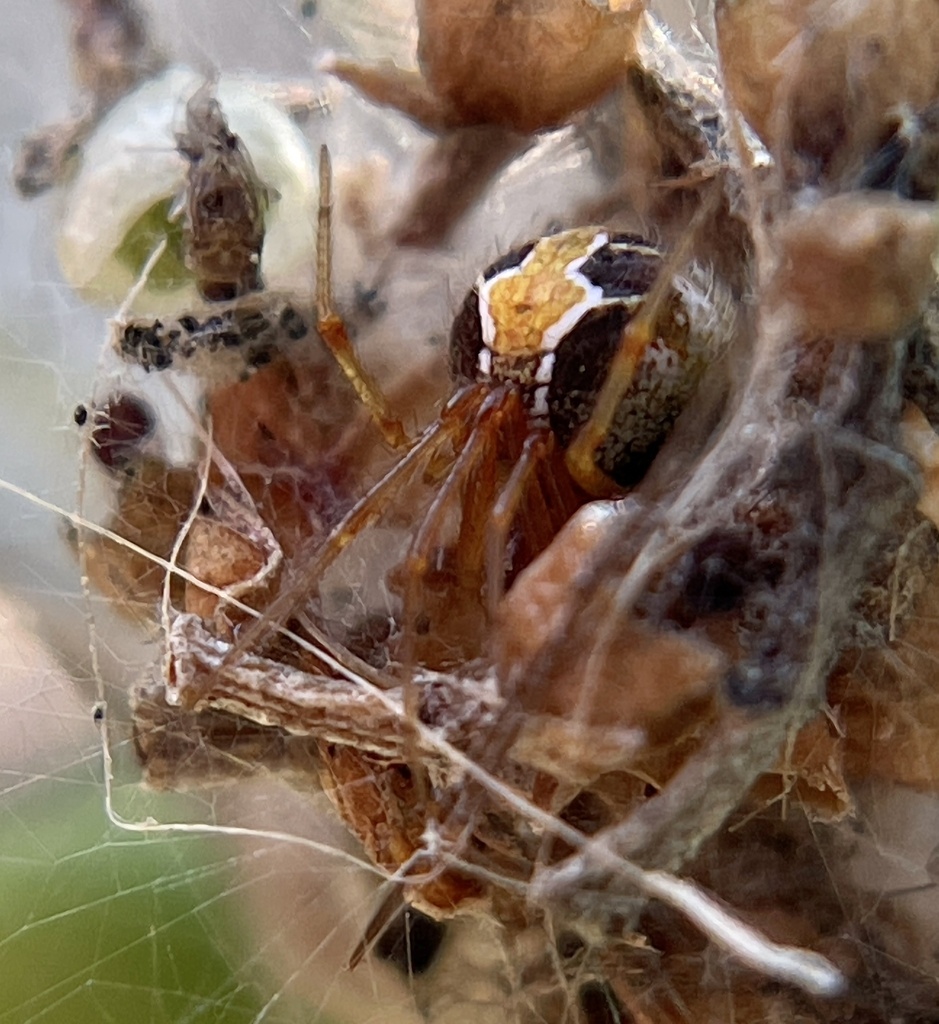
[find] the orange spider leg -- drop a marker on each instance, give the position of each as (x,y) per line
(482,489)
(580,457)
(483,439)
(535,450)
(542,514)
(450,427)
(332,328)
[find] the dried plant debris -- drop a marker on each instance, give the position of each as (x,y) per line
(631,620)
(661,140)
(492,74)
(111,53)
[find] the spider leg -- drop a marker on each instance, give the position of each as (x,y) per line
(483,441)
(451,427)
(482,491)
(544,510)
(483,437)
(535,450)
(331,326)
(640,332)
(382,918)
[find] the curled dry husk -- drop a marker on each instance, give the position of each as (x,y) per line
(131,179)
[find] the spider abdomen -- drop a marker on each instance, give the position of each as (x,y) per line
(550,316)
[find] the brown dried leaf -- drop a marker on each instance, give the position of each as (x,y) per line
(152,504)
(380,804)
(649,690)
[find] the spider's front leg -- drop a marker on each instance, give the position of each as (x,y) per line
(331,326)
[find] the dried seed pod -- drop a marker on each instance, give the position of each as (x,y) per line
(528,65)
(822,82)
(45,158)
(111,53)
(524,66)
(111,50)
(490,71)
(119,426)
(151,505)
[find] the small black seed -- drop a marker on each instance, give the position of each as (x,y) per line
(133,336)
(80,415)
(252,325)
(260,358)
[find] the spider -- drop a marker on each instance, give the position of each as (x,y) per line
(534,349)
(571,358)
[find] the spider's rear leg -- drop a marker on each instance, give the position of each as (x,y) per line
(481,491)
(460,614)
(331,326)
(581,455)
